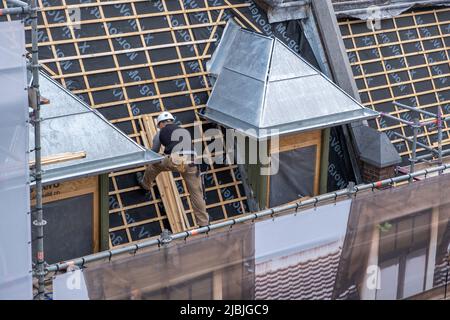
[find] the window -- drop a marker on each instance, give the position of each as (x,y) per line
(403,256)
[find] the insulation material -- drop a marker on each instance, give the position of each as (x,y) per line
(15,233)
(404,59)
(68,232)
(218,266)
(397,240)
(340,171)
(297,255)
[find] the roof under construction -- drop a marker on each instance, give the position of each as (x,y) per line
(318,214)
(263,88)
(70,125)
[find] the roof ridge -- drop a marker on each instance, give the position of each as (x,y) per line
(266,81)
(323,75)
(280,107)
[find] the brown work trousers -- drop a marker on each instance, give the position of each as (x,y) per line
(190,176)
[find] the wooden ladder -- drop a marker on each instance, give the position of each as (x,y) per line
(166,184)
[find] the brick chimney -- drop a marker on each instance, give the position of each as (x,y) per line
(377,156)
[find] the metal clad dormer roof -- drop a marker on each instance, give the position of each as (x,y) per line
(69,125)
(263,88)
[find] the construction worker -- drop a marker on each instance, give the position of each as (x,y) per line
(178,159)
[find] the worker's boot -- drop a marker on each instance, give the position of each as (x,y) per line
(209,222)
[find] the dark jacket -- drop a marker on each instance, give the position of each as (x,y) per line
(170,136)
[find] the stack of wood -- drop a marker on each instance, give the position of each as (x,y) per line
(61,157)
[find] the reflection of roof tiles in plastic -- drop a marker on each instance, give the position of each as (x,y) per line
(263,84)
(440,273)
(313,279)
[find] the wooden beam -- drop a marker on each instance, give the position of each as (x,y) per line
(61,157)
(167,187)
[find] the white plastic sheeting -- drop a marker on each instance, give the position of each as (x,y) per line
(308,229)
(15,235)
(297,256)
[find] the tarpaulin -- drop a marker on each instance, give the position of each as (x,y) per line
(396,241)
(379,9)
(295,176)
(15,235)
(218,266)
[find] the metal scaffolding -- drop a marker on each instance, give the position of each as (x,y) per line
(39,222)
(166,238)
(416,124)
(30,10)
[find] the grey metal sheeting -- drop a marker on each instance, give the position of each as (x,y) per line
(69,125)
(263,89)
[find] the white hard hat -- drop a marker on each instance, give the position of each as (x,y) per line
(164,117)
